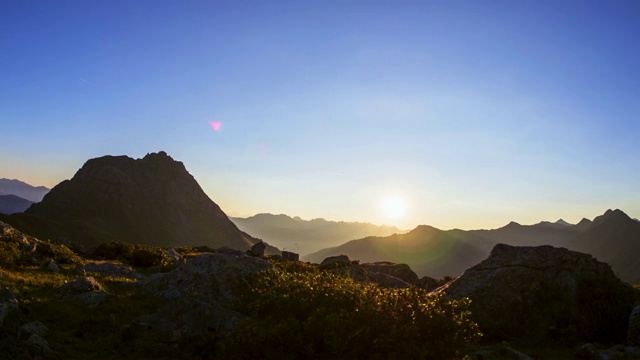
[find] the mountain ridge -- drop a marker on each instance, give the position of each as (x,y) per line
(612,237)
(22,189)
(306,236)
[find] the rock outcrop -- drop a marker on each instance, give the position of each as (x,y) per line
(400,271)
(152,201)
(201,291)
(545,292)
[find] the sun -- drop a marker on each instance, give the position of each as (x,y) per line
(394,207)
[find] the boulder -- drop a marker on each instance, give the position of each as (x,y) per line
(633,331)
(52,266)
(257,250)
(387,281)
(79,286)
(33,328)
(335,261)
(8,303)
(211,277)
(38,346)
(545,292)
(111,269)
(291,256)
(175,256)
(201,290)
(400,271)
(591,351)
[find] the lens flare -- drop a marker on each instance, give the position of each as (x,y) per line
(215,125)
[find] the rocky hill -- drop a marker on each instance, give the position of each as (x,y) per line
(153,200)
(22,189)
(307,236)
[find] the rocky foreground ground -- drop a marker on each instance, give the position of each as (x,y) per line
(547,302)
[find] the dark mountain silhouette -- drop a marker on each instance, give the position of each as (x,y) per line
(543,233)
(152,201)
(306,236)
(427,250)
(10,204)
(612,237)
(22,189)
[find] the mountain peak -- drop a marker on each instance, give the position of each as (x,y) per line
(611,215)
(562,222)
(153,200)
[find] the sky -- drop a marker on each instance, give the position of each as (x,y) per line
(456,114)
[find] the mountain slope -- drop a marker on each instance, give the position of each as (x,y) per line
(152,201)
(22,189)
(306,236)
(543,233)
(614,238)
(427,250)
(10,204)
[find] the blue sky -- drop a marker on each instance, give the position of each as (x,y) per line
(463,114)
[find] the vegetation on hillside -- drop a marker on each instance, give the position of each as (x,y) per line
(294,311)
(298,312)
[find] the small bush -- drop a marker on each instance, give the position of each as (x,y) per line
(309,313)
(9,254)
(134,255)
(114,250)
(146,256)
(58,252)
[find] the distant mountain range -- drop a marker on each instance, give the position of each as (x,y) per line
(612,237)
(10,204)
(307,236)
(152,201)
(22,189)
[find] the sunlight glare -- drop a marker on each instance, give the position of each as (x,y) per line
(394,207)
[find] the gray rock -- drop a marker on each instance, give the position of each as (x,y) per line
(52,266)
(257,249)
(499,352)
(400,271)
(38,346)
(79,286)
(633,332)
(94,298)
(387,281)
(8,303)
(591,351)
(211,277)
(111,269)
(33,328)
(291,256)
(335,261)
(545,292)
(175,256)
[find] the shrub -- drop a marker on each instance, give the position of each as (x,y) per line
(146,256)
(58,252)
(309,313)
(134,255)
(9,254)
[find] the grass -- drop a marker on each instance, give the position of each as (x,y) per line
(75,330)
